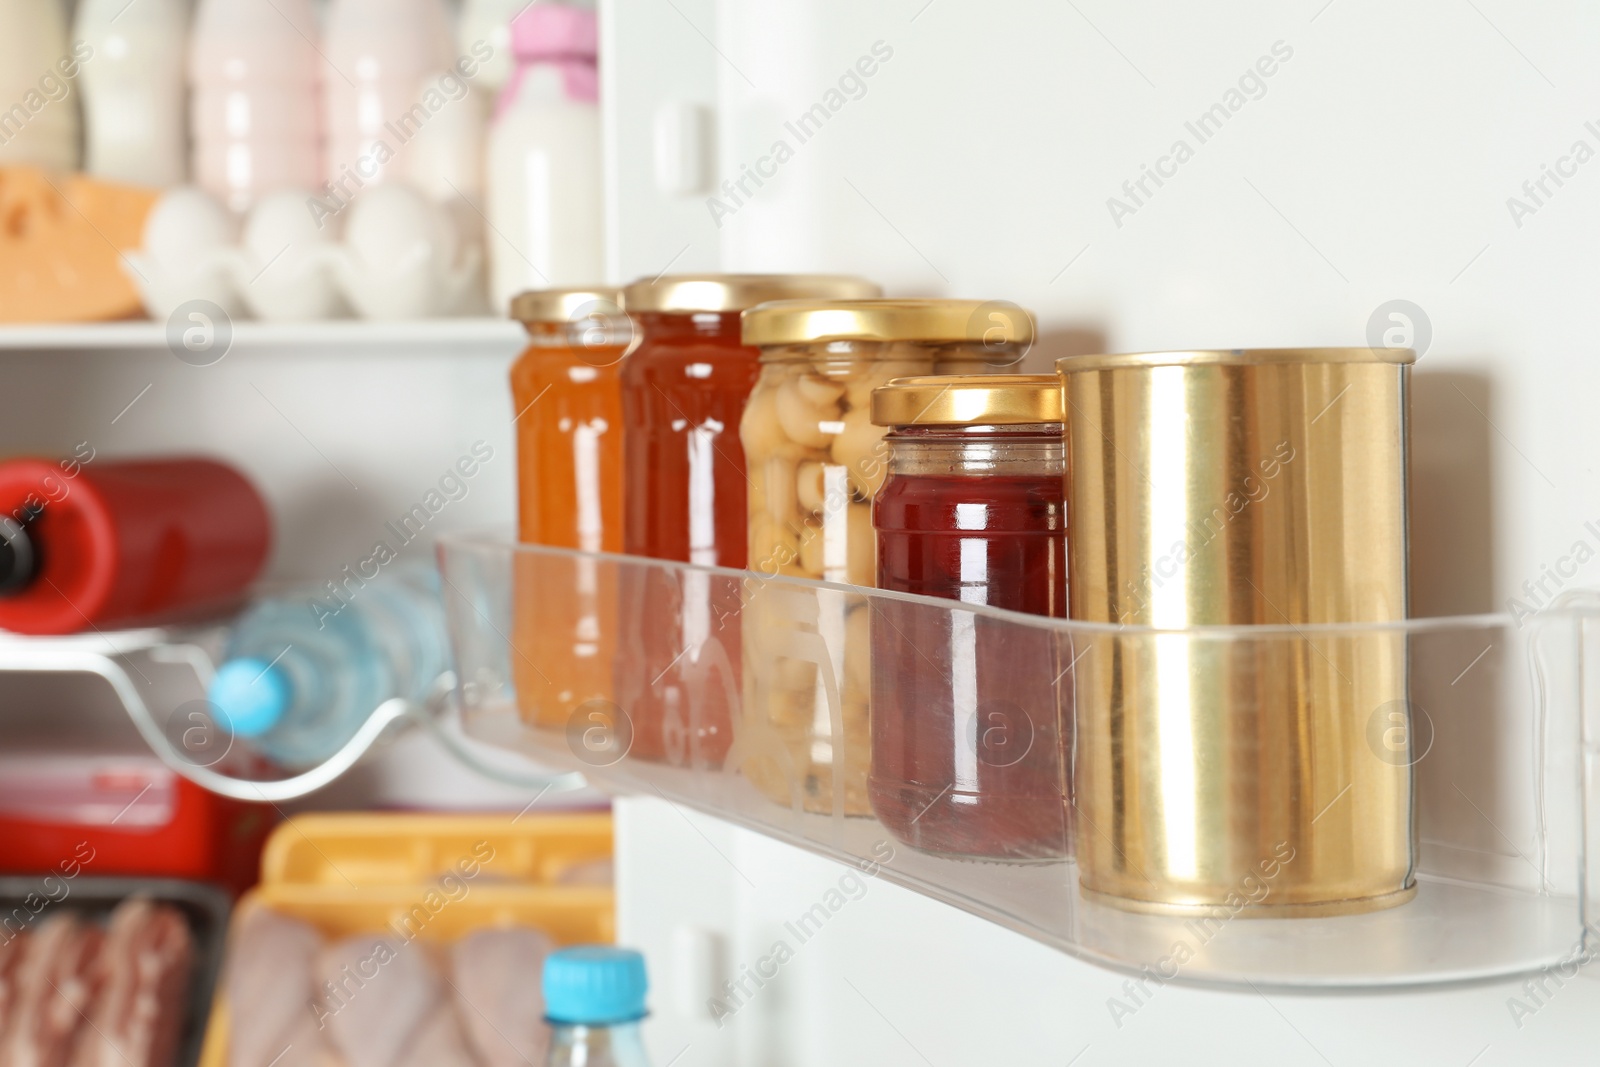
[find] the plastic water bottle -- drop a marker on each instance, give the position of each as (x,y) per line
(302,673)
(134,91)
(255,109)
(543,170)
(594,997)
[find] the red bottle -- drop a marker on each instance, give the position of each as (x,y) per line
(683,393)
(971,714)
(104,544)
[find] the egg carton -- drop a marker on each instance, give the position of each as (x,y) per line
(392,253)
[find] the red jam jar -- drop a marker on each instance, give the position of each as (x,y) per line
(683,394)
(970,741)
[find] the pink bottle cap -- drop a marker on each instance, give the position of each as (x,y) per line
(567,37)
(554,31)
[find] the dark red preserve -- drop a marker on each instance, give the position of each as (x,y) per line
(971,713)
(683,394)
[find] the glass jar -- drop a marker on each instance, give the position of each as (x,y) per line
(566,391)
(815,461)
(970,744)
(683,393)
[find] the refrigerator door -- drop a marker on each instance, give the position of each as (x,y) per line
(658,101)
(1148,176)
(763,954)
(1152,176)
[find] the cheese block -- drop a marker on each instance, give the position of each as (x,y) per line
(62,239)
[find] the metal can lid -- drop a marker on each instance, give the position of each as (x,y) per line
(968,399)
(983,322)
(688,293)
(567,305)
(1235,357)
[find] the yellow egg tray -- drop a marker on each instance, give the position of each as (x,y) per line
(360,850)
(432,878)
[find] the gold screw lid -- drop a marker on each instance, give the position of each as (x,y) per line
(1235,357)
(566,305)
(968,399)
(687,293)
(986,322)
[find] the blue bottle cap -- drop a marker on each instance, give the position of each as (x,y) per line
(594,985)
(250,695)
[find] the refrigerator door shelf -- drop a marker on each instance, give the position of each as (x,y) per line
(1485,735)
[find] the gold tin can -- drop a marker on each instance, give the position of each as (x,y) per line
(1234,769)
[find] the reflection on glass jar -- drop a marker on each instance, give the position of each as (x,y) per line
(970,747)
(815,461)
(567,394)
(684,390)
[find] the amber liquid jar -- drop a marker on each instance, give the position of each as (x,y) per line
(815,462)
(684,390)
(566,391)
(970,740)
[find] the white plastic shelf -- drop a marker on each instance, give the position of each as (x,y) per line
(1500,790)
(463,336)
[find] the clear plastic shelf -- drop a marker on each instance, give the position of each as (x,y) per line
(1446,756)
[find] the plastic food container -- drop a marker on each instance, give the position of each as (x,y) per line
(1246,487)
(815,459)
(971,756)
(131,813)
(203,907)
(567,393)
(400,876)
(398,850)
(683,393)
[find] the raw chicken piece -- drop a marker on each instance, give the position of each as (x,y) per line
(11,952)
(56,983)
(438,1042)
(591,872)
(268,985)
(305,1044)
(498,977)
(374,995)
(142,977)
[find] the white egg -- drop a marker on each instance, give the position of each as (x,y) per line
(286,271)
(281,228)
(186,227)
(400,254)
(390,224)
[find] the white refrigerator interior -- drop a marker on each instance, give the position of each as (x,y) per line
(1142,175)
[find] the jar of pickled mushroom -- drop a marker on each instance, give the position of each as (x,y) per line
(683,392)
(970,742)
(815,460)
(566,393)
